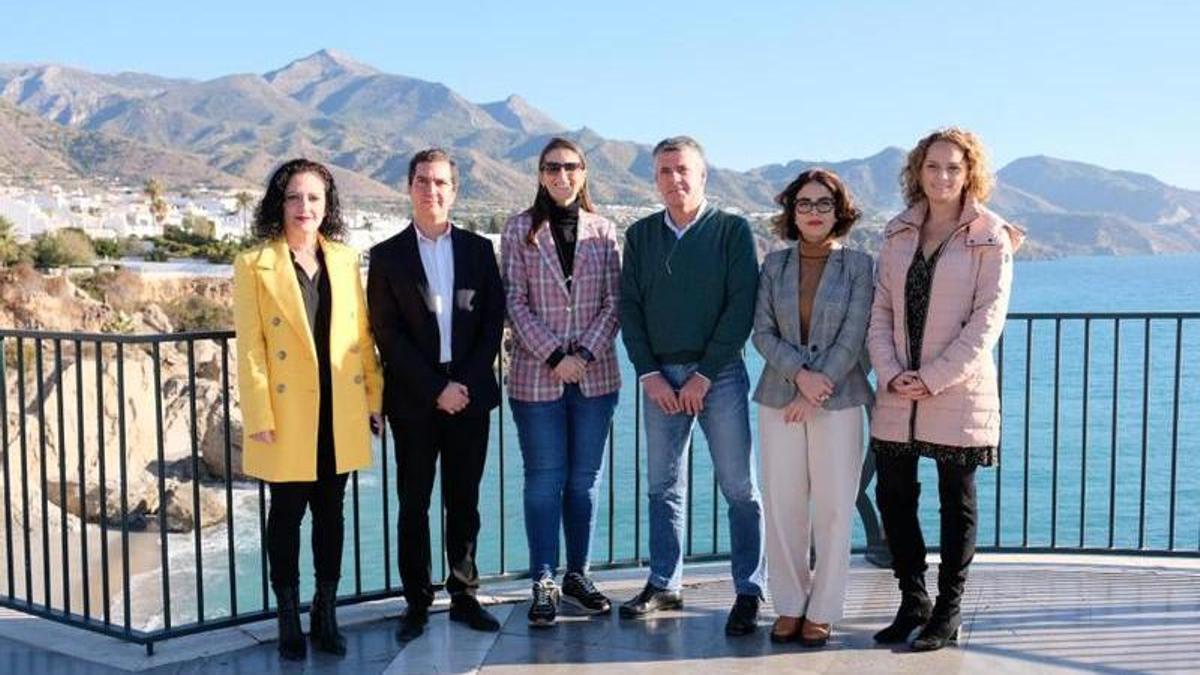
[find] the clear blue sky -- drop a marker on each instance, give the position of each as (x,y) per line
(1110,83)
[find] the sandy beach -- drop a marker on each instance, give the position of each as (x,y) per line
(143,558)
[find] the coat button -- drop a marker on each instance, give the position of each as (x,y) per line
(282,355)
(812,348)
(353,349)
(358,379)
(281,388)
(276,321)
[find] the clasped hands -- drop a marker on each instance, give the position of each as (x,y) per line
(812,390)
(689,399)
(908,385)
(570,369)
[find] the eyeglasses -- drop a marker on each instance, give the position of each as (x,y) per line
(555,167)
(822,205)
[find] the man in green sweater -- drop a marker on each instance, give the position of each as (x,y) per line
(688,284)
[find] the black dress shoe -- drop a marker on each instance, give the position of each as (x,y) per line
(651,599)
(914,612)
(941,630)
(466,609)
(412,624)
(743,618)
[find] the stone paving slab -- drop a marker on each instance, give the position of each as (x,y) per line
(1024,613)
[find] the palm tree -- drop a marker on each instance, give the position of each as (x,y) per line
(244,200)
(158,206)
(10,250)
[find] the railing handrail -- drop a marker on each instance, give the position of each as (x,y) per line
(1103,316)
(117,338)
(221,333)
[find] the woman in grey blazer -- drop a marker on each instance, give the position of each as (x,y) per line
(810,324)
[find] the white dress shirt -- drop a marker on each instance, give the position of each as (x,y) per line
(437,257)
(679,230)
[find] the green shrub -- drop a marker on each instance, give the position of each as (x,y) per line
(196,312)
(114,248)
(119,322)
(65,247)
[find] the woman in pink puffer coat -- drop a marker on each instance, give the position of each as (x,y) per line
(941,296)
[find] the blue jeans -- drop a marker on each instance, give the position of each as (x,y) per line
(562,443)
(725,421)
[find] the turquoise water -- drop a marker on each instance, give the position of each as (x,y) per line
(1079,510)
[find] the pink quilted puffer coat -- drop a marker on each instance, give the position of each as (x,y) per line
(967,307)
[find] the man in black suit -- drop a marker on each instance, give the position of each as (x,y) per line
(437,311)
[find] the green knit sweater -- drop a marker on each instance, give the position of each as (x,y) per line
(689,299)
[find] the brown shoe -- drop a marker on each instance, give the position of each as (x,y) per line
(786,629)
(814,634)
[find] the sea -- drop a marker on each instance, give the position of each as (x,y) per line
(1128,478)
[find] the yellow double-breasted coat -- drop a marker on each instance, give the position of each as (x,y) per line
(278,376)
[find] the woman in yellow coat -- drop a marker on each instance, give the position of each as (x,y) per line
(310,384)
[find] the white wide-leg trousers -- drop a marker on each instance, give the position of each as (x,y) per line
(810,474)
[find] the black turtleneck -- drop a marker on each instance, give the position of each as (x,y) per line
(564,227)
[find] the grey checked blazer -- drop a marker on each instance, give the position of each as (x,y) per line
(837,336)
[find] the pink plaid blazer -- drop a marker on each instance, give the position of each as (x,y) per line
(544,315)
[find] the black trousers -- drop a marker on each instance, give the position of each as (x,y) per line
(897,493)
(324,497)
(461,441)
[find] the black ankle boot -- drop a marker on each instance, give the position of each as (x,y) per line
(914,612)
(942,628)
(291,637)
(323,628)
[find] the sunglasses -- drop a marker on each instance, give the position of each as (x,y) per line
(555,167)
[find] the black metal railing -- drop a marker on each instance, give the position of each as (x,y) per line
(1100,453)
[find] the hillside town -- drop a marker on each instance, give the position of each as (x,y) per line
(147,213)
(124,212)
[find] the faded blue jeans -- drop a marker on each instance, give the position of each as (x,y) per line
(562,444)
(725,421)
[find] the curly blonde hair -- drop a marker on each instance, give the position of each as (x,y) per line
(979,178)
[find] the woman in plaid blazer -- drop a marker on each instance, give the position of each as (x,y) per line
(561,272)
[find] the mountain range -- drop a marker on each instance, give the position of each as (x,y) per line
(58,122)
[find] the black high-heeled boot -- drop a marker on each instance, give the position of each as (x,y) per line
(915,610)
(323,628)
(942,628)
(291,637)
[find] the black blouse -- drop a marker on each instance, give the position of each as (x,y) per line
(318,307)
(564,227)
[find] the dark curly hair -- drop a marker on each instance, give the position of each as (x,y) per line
(844,209)
(268,215)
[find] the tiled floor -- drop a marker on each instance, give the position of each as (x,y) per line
(1023,613)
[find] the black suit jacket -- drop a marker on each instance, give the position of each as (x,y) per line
(406,329)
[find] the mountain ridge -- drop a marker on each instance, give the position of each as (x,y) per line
(335,109)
